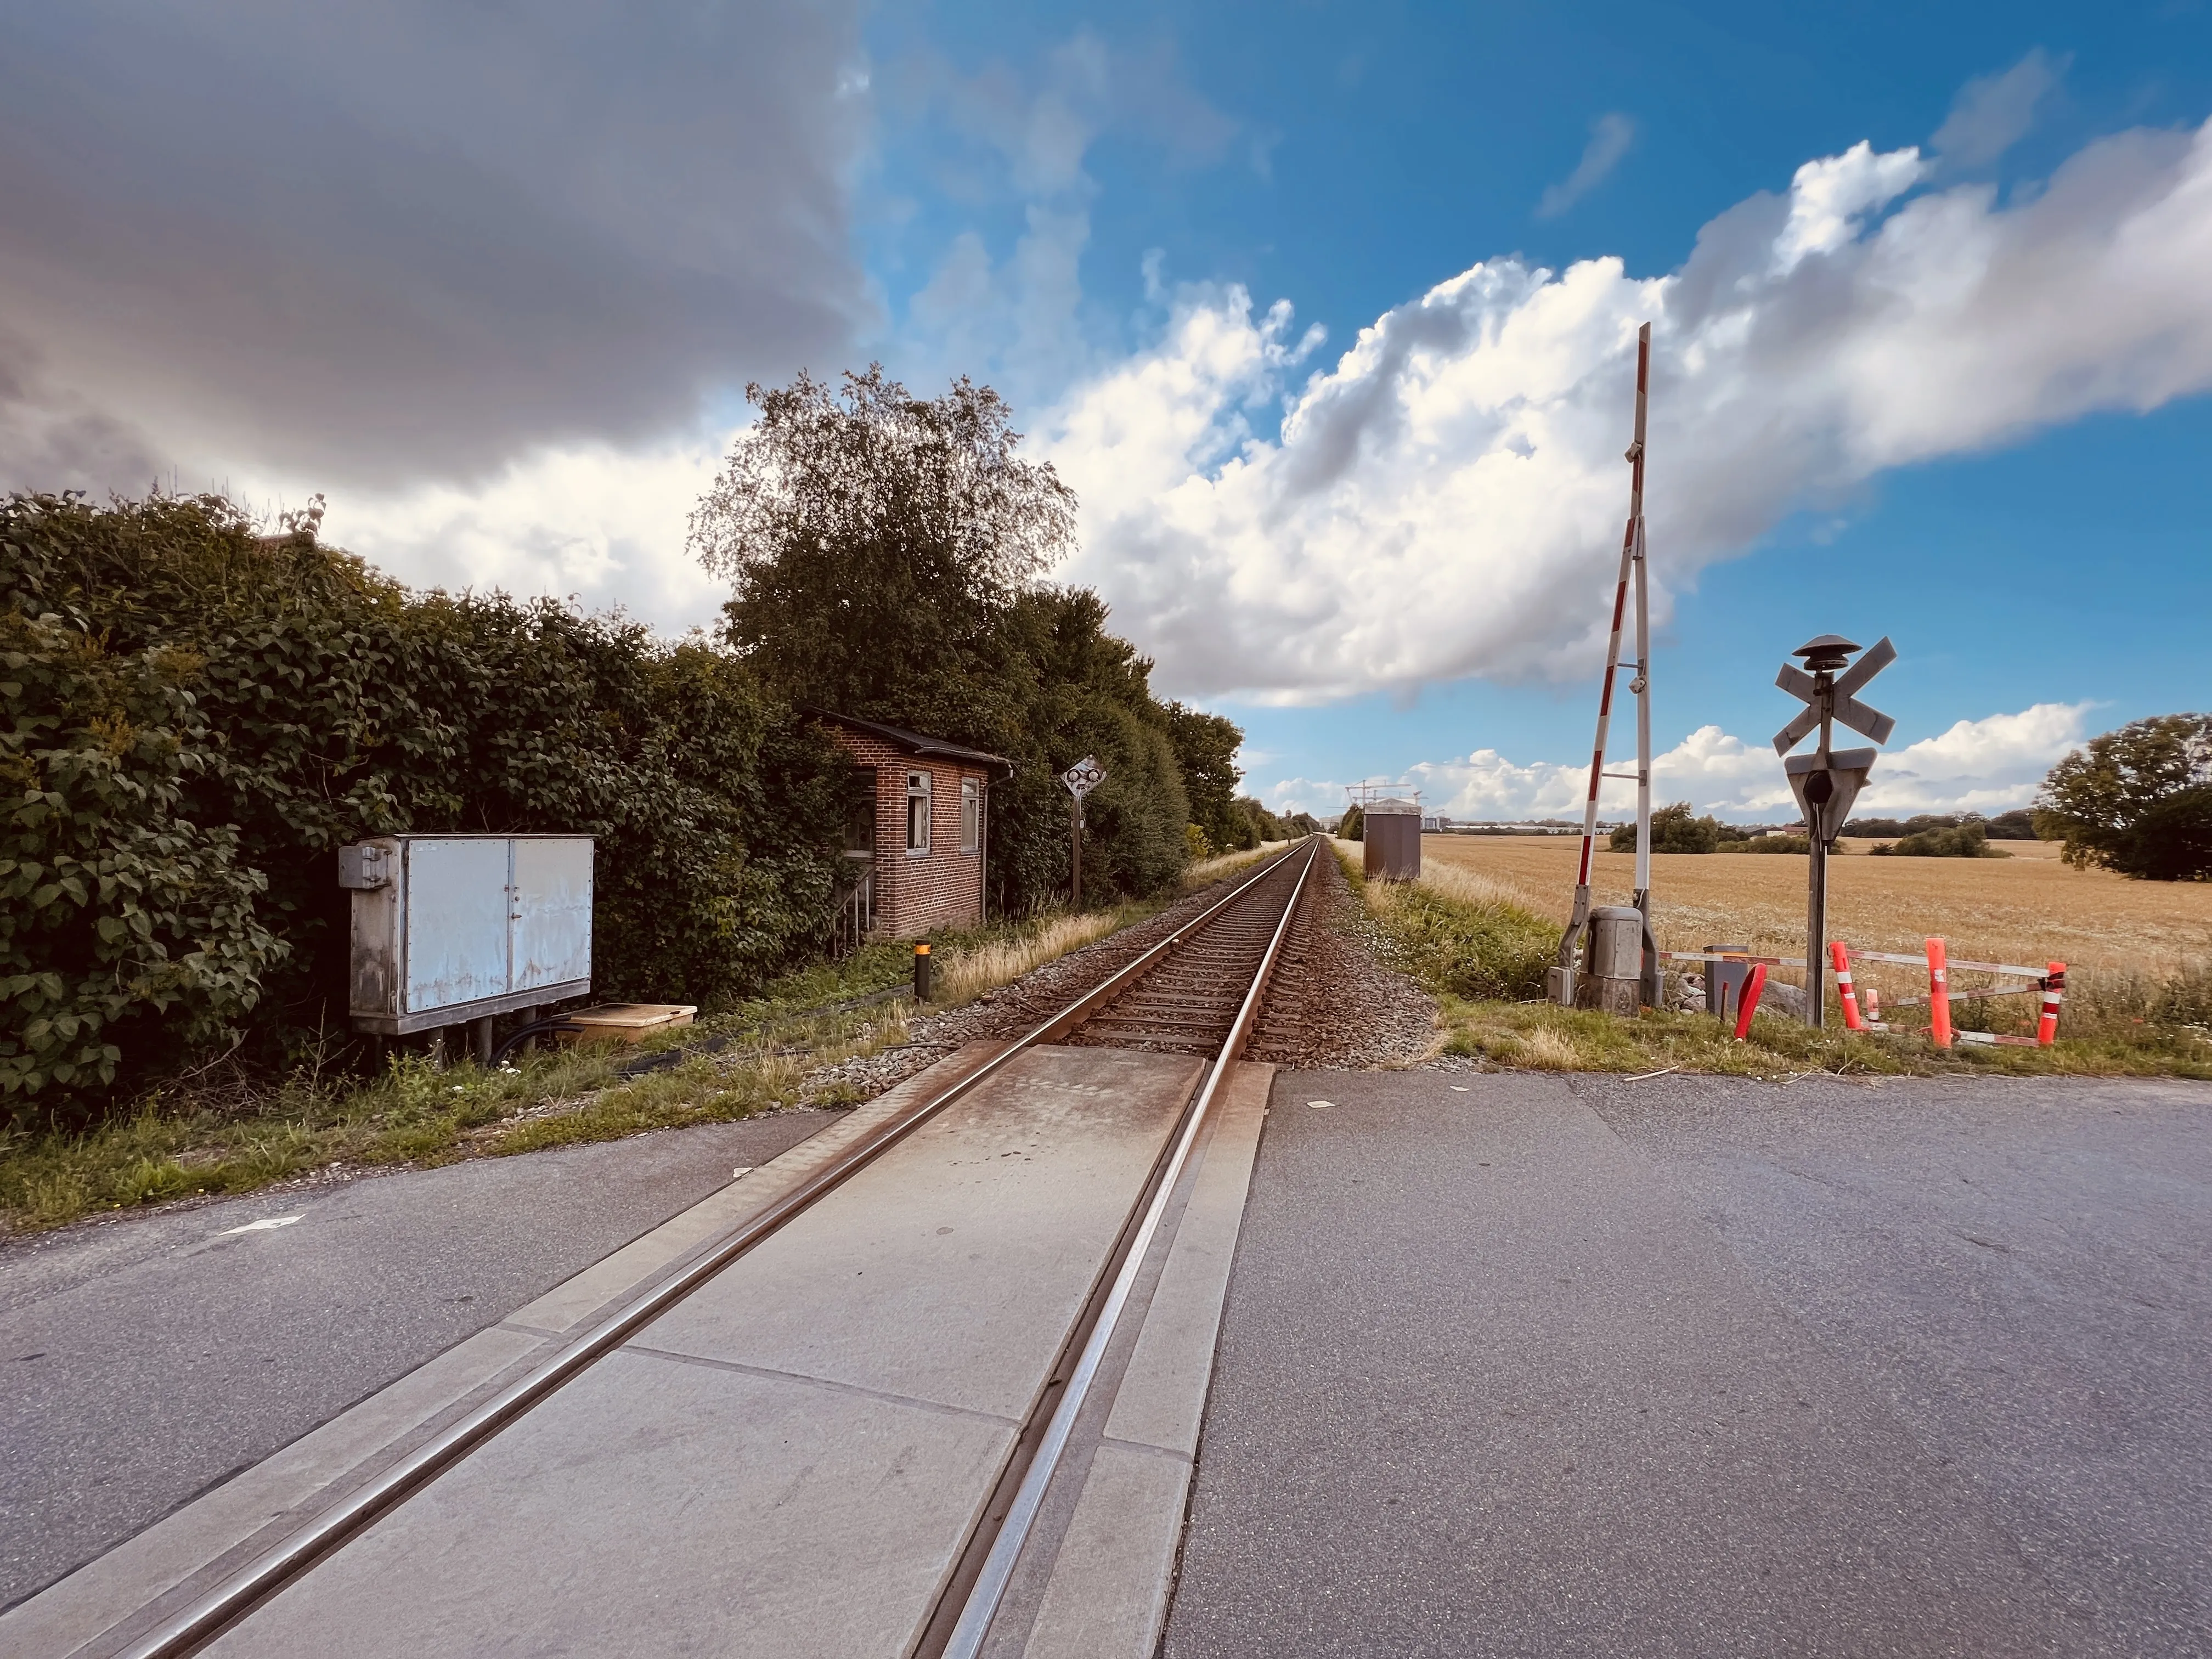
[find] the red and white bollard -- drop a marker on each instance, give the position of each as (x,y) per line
(1840,957)
(1746,1002)
(2054,993)
(1939,994)
(1873,1007)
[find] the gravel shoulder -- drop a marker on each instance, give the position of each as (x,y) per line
(1332,1003)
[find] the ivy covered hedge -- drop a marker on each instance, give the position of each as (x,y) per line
(193,718)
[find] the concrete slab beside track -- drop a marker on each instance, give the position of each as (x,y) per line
(790,1460)
(173,1350)
(1521,1364)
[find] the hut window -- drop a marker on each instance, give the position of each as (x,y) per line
(860,813)
(917,811)
(971,815)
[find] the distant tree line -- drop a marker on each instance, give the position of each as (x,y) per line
(1677,829)
(2138,801)
(2017,826)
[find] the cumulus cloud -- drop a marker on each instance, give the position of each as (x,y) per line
(1445,499)
(1611,135)
(602,525)
(376,246)
(1987,766)
(1993,113)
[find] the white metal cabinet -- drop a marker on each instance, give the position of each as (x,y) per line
(551,911)
(448,928)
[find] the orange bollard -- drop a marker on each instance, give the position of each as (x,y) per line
(1939,994)
(1873,1005)
(2054,993)
(1841,957)
(1747,1001)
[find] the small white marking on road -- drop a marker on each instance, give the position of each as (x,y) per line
(1317,1104)
(260,1226)
(739,1170)
(1459,1088)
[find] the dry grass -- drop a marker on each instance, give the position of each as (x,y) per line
(1478,926)
(1206,871)
(2029,910)
(966,975)
(218,1141)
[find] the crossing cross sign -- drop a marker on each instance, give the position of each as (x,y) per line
(1823,655)
(1826,782)
(1086,776)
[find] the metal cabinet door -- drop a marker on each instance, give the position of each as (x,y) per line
(456,921)
(552,911)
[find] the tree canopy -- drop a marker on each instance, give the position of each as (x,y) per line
(1675,828)
(888,554)
(879,542)
(2137,800)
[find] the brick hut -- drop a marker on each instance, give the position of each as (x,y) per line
(918,832)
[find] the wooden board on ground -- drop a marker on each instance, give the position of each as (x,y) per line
(627,1021)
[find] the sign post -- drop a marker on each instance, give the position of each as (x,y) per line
(1086,776)
(1826,781)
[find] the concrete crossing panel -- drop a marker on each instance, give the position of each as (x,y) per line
(790,1461)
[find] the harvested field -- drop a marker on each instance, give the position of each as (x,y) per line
(2027,909)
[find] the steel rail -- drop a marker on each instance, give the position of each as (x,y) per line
(227,1602)
(989,1590)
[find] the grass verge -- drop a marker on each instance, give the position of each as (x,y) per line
(1471,943)
(230,1135)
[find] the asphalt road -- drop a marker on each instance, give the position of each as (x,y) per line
(150,1357)
(1697,1366)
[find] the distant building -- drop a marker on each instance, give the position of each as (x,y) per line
(917,838)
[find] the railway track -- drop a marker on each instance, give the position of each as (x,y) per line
(1198,990)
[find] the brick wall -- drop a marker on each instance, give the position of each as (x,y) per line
(917,891)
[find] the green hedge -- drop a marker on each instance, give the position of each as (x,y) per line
(196,717)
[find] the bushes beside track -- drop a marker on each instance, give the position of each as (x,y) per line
(197,716)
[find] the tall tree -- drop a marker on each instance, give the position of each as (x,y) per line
(877,541)
(886,551)
(1205,748)
(2137,800)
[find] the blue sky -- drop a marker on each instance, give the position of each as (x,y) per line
(1927,281)
(1363,152)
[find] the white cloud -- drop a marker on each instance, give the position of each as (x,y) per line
(1987,766)
(607,525)
(1611,135)
(1993,113)
(1445,499)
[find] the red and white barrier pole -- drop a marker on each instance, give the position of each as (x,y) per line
(2054,993)
(1746,1002)
(1939,995)
(1840,956)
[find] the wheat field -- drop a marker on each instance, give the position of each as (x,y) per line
(2030,910)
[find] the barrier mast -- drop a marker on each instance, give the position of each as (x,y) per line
(1632,573)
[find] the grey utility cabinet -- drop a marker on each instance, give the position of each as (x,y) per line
(449,928)
(1391,830)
